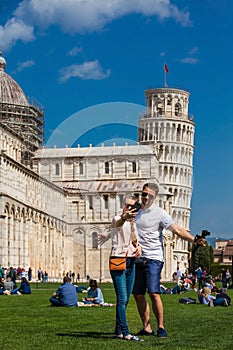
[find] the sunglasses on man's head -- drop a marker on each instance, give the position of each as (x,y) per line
(150,196)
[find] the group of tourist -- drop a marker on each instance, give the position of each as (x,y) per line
(7,287)
(66,294)
(208,297)
(14,273)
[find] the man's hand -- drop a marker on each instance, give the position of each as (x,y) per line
(138,252)
(102,238)
(199,241)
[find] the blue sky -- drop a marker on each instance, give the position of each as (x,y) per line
(71,55)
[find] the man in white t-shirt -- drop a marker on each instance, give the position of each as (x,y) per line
(150,222)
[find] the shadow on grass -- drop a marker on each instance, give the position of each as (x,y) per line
(86,335)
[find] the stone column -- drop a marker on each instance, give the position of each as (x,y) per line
(4,225)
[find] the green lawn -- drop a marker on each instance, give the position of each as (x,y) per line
(28,322)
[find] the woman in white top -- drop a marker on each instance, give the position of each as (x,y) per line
(124,243)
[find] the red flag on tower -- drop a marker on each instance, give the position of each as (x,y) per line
(165,68)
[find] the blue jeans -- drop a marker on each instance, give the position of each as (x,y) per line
(14,291)
(55,301)
(123,284)
(218,302)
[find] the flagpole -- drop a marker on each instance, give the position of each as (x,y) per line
(165,82)
(165,73)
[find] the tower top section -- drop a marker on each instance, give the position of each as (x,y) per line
(167,90)
(167,103)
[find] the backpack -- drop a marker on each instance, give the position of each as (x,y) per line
(187,301)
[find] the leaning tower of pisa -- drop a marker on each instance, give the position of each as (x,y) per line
(168,125)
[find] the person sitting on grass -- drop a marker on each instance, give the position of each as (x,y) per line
(3,290)
(9,285)
(204,295)
(94,294)
(65,295)
(221,299)
(24,287)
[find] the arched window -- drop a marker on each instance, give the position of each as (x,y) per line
(134,167)
(90,198)
(169,100)
(57,169)
(121,197)
(94,240)
(105,201)
(177,109)
(106,167)
(81,168)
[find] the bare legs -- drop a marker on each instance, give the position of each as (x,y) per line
(144,310)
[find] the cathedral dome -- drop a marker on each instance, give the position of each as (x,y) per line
(10,91)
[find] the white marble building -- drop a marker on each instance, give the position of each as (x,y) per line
(54,202)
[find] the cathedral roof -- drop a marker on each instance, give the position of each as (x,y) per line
(10,91)
(104,151)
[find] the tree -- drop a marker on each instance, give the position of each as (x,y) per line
(211,254)
(202,256)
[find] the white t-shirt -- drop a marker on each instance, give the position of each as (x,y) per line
(150,224)
(120,238)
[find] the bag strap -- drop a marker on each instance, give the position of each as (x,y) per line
(132,237)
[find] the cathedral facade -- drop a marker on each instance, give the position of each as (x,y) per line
(54,202)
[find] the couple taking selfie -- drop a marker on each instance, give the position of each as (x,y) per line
(137,259)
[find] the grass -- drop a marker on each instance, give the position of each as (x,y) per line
(28,322)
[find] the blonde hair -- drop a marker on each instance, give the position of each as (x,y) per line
(206,291)
(130,197)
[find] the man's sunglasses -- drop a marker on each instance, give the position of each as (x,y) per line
(150,196)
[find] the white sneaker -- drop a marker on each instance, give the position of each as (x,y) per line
(225,303)
(7,292)
(18,293)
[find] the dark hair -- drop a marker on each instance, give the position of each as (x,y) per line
(25,280)
(152,186)
(93,283)
(66,279)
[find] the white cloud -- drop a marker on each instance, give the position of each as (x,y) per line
(80,16)
(193,51)
(15,30)
(85,71)
(25,64)
(190,59)
(74,51)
